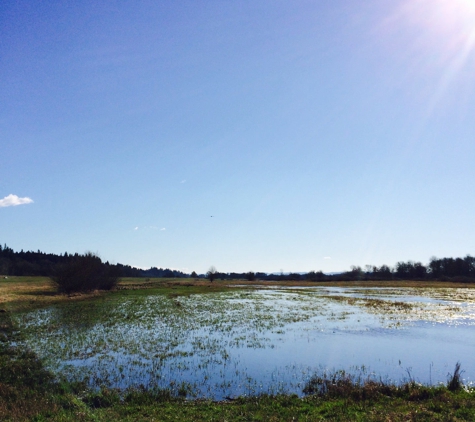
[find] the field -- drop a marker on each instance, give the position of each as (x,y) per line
(191,350)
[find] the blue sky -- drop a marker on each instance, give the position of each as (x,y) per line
(318,134)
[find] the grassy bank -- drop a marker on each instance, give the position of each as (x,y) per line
(32,292)
(29,392)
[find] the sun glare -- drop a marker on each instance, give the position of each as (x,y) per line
(438,38)
(456,22)
(445,28)
(444,22)
(469,3)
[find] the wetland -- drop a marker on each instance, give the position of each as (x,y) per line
(239,340)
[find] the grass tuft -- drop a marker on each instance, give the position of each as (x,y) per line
(26,388)
(455,381)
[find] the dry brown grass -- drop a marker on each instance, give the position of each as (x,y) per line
(396,283)
(368,283)
(27,292)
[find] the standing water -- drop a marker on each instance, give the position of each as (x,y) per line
(255,341)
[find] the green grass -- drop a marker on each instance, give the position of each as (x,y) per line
(28,392)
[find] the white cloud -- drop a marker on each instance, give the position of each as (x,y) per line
(162,229)
(148,228)
(13,200)
(327,257)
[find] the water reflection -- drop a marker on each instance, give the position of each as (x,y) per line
(261,340)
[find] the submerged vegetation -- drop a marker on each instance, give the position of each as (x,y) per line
(178,313)
(28,392)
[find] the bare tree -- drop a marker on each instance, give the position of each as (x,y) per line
(212,273)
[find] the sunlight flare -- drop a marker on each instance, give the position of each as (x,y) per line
(440,39)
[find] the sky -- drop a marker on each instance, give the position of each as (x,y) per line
(251,136)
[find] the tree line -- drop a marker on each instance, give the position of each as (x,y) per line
(46,264)
(438,269)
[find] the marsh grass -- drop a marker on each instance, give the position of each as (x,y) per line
(188,337)
(360,386)
(415,304)
(28,391)
(455,380)
(26,387)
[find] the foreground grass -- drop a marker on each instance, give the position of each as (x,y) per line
(30,393)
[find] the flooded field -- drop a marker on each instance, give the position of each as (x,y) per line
(259,340)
